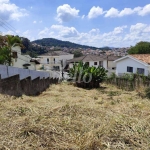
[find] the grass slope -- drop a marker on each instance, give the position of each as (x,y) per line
(67,117)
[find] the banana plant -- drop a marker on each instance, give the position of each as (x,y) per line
(90,75)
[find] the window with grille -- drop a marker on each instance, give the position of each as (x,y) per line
(129,69)
(95,63)
(140,70)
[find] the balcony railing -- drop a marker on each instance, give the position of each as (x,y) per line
(54,62)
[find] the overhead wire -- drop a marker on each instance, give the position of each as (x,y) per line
(9,27)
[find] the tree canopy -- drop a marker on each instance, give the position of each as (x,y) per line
(77,53)
(5,55)
(140,48)
(6,44)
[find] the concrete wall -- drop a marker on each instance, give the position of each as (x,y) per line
(14,86)
(11,86)
(8,71)
(121,66)
(55,74)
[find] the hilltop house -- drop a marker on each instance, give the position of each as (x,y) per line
(21,61)
(55,60)
(136,63)
(93,60)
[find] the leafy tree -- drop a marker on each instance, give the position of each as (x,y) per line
(6,44)
(3,40)
(27,45)
(5,55)
(140,48)
(77,53)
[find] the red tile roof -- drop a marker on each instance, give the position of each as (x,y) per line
(143,57)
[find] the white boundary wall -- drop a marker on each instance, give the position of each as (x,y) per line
(8,71)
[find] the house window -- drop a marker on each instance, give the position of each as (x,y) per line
(95,63)
(48,60)
(14,55)
(140,70)
(129,69)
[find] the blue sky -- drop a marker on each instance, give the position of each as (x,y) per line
(117,23)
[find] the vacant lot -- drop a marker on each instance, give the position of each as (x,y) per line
(67,117)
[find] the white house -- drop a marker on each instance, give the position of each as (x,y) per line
(21,61)
(136,63)
(93,60)
(55,60)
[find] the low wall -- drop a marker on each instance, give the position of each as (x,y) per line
(128,84)
(11,86)
(8,71)
(16,87)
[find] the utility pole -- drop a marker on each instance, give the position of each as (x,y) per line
(62,69)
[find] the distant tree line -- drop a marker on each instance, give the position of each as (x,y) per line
(54,42)
(140,48)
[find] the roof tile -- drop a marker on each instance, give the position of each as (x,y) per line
(142,57)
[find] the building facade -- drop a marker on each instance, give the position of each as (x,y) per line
(21,61)
(138,63)
(55,60)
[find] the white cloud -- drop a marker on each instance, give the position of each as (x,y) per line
(119,37)
(145,10)
(34,21)
(119,30)
(65,13)
(4,1)
(59,32)
(9,11)
(115,32)
(95,12)
(113,12)
(43,33)
(65,32)
(126,11)
(94,31)
(28,34)
(138,27)
(138,32)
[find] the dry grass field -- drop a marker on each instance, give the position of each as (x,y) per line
(65,117)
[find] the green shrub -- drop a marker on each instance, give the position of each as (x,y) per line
(86,76)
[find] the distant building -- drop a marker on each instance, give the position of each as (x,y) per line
(136,63)
(55,60)
(21,61)
(93,60)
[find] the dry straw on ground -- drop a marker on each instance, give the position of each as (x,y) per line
(71,118)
